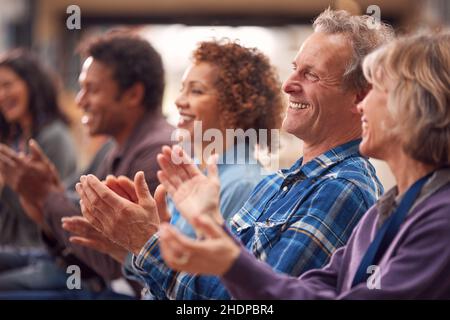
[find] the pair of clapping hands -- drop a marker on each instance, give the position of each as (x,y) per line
(31,176)
(120,215)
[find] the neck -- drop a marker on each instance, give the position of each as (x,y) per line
(407,170)
(130,124)
(313,149)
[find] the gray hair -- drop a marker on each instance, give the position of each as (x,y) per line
(363,36)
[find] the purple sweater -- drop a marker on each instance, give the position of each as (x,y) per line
(415,266)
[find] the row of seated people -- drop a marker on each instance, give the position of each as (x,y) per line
(355,92)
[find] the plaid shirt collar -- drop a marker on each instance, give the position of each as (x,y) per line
(317,166)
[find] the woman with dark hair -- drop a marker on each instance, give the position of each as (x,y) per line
(28,110)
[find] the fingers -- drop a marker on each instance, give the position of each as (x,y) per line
(8,157)
(173,174)
(213,172)
(128,186)
(93,219)
(186,162)
(161,204)
(7,161)
(123,186)
(86,242)
(79,226)
(91,200)
(142,191)
(36,151)
(168,186)
(175,162)
(100,195)
(175,245)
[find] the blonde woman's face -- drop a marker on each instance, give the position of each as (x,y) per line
(377,123)
(198,98)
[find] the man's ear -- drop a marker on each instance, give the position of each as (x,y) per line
(360,95)
(134,95)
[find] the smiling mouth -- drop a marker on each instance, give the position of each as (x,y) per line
(8,106)
(185,118)
(85,119)
(298,106)
(364,123)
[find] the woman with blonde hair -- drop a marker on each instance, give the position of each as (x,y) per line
(399,250)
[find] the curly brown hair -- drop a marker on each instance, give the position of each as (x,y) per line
(249,91)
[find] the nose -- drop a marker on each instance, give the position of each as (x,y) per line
(360,106)
(181,101)
(292,85)
(80,99)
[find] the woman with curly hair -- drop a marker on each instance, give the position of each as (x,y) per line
(226,91)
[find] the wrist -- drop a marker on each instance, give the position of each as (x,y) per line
(232,253)
(137,248)
(217,216)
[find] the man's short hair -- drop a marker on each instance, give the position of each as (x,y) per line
(133,60)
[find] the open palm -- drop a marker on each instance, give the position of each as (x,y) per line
(192,192)
(198,195)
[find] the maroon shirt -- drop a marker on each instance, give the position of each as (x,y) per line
(137,154)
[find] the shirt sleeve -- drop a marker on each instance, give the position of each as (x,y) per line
(249,278)
(165,283)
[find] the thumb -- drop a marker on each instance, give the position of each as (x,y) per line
(38,155)
(160,198)
(142,192)
(36,151)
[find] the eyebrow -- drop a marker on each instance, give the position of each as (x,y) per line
(310,67)
(196,81)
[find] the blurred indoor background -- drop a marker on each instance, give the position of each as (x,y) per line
(277,27)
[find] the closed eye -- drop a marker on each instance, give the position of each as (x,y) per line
(311,76)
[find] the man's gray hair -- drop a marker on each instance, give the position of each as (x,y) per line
(363,35)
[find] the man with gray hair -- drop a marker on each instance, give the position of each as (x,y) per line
(295,219)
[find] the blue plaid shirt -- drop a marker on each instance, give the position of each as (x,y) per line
(294,220)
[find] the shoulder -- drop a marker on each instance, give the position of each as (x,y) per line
(149,144)
(55,131)
(240,174)
(359,172)
(436,206)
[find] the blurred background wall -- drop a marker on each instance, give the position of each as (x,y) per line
(277,27)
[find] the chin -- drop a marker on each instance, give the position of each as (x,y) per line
(366,150)
(11,117)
